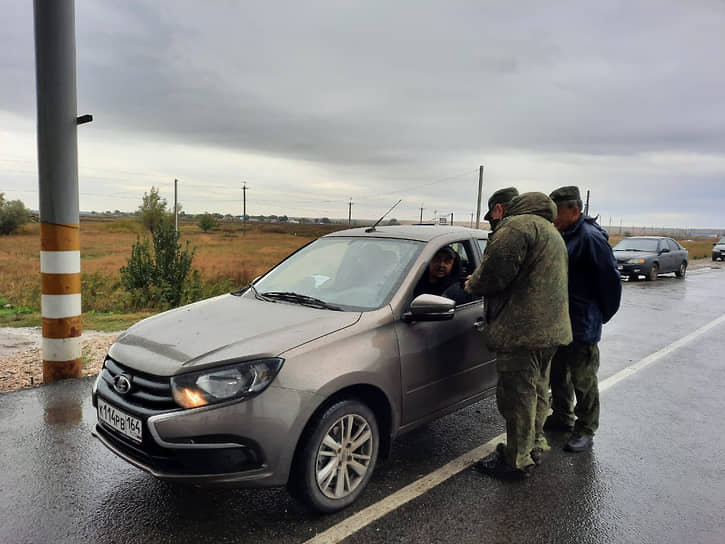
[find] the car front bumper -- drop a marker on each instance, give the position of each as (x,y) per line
(247,443)
(639,269)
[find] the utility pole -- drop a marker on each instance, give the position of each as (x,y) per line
(60,255)
(244,208)
(176,205)
(471,219)
(480,188)
(586,207)
(421,213)
(451,219)
(349,213)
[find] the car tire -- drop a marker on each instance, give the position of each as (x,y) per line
(680,273)
(652,276)
(330,470)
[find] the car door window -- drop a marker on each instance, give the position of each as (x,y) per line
(463,267)
(482,244)
(673,245)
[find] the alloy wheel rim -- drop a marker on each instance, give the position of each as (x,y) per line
(344,456)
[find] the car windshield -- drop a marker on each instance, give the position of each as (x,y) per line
(722,241)
(636,244)
(353,274)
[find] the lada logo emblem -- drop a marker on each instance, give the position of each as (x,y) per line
(121,384)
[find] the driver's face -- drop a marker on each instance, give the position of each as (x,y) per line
(441,265)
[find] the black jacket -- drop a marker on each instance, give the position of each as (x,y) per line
(595,287)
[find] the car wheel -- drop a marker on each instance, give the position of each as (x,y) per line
(336,457)
(682,270)
(652,276)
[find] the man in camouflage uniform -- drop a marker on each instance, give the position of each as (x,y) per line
(595,291)
(497,205)
(523,279)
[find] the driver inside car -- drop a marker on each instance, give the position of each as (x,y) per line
(443,276)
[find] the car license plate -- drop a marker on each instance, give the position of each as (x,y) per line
(119,420)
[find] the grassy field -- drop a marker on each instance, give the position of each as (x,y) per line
(226,259)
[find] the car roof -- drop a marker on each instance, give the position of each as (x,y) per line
(648,237)
(421,233)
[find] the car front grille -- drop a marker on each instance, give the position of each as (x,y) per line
(147,392)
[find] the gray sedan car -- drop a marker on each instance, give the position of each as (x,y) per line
(305,377)
(650,256)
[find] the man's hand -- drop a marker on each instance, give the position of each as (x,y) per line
(465,285)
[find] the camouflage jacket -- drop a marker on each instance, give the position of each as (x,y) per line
(523,279)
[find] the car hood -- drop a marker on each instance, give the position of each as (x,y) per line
(220,329)
(720,247)
(626,255)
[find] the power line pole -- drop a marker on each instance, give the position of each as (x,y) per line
(451,219)
(60,255)
(349,213)
(471,219)
(480,188)
(421,213)
(244,208)
(176,205)
(586,207)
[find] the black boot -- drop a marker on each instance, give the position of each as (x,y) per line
(579,443)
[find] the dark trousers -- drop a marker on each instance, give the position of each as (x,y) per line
(522,399)
(574,375)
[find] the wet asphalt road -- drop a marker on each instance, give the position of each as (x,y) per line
(655,475)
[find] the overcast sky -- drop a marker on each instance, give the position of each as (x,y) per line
(314,103)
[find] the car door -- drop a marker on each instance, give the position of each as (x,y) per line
(445,363)
(668,258)
(678,254)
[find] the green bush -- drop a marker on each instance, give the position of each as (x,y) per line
(13,215)
(207,222)
(161,276)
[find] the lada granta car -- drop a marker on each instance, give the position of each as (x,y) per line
(650,256)
(304,377)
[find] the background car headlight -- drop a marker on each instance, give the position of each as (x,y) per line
(225,383)
(636,261)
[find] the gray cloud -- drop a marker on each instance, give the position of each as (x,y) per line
(394,89)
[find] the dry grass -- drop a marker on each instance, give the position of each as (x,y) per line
(226,257)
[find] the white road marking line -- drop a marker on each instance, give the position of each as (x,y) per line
(364,517)
(636,367)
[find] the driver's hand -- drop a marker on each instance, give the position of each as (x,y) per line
(466,286)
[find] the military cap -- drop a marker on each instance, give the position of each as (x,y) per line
(565,194)
(502,196)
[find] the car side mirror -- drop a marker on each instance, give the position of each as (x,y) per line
(430,308)
(664,250)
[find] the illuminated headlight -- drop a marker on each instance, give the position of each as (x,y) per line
(635,261)
(226,383)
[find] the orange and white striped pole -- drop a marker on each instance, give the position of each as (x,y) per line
(60,260)
(60,269)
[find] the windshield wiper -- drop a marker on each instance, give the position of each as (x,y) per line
(251,287)
(289,296)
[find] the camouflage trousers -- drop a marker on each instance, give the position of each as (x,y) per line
(574,374)
(522,396)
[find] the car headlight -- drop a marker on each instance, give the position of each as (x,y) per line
(226,383)
(636,261)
